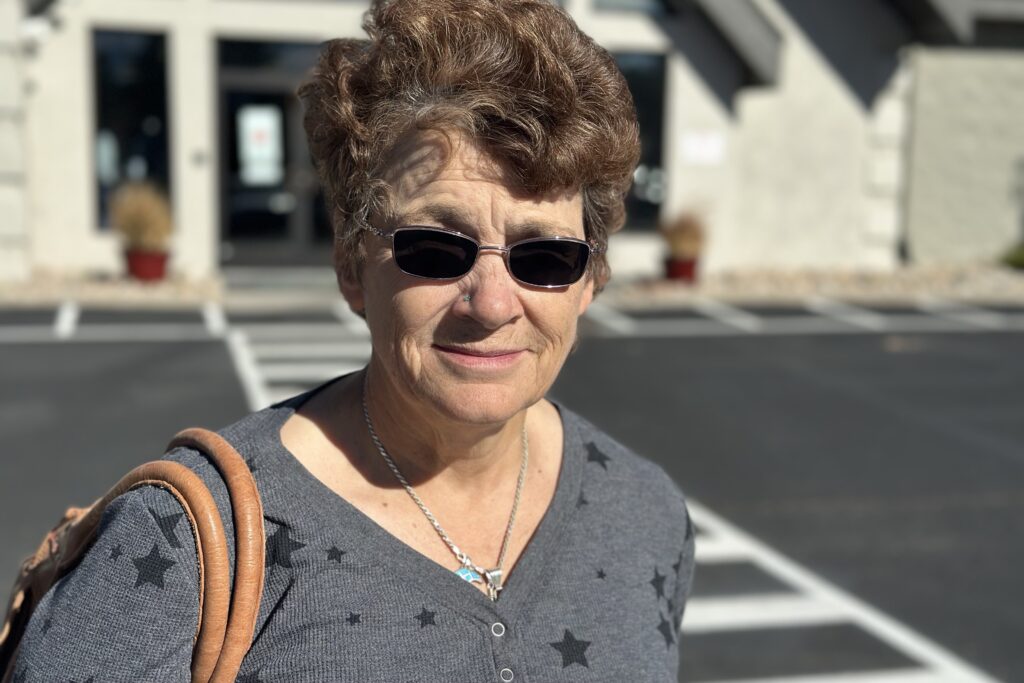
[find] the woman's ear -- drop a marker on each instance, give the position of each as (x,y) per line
(587,295)
(350,285)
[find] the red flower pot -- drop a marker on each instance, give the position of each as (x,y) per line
(146,265)
(681,269)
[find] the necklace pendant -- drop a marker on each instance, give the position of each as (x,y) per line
(493,583)
(467,574)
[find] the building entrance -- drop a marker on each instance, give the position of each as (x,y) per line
(271,205)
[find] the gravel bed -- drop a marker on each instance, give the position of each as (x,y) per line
(967,285)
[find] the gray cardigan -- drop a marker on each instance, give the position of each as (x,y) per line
(597,595)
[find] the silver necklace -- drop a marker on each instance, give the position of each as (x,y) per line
(469,571)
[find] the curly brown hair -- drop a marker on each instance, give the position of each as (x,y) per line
(518,77)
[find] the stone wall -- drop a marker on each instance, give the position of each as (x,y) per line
(966,194)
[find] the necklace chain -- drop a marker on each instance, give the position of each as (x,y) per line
(492,577)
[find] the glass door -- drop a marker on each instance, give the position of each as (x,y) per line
(271,205)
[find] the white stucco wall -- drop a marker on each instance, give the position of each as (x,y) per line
(801,173)
(806,156)
(62,196)
(15,262)
(966,201)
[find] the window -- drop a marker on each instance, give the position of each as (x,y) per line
(131,112)
(645,74)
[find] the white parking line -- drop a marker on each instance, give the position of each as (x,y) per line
(844,312)
(813,587)
(67,319)
(28,334)
(352,322)
(291,331)
(319,350)
(248,372)
(730,315)
(962,313)
(610,318)
(734,613)
(716,550)
(215,320)
(887,676)
(306,372)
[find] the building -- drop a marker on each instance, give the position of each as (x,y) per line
(806,134)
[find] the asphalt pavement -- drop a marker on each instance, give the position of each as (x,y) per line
(859,493)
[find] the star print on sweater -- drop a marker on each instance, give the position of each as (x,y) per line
(280,547)
(334,554)
(665,627)
(167,523)
(594,454)
(659,583)
(152,567)
(573,651)
(426,618)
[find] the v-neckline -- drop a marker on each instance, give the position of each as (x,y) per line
(441,583)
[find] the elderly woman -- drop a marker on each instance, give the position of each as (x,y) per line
(434,516)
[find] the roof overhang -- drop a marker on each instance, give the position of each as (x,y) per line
(746,30)
(751,34)
(956,20)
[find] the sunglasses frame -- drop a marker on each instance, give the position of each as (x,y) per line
(503,250)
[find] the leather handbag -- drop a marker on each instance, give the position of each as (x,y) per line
(227,618)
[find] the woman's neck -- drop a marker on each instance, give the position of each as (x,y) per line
(431,449)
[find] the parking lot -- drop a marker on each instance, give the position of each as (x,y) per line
(856,472)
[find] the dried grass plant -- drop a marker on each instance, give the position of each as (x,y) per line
(141,214)
(685,236)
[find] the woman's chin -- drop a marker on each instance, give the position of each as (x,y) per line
(482,403)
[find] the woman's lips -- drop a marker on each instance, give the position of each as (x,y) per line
(482,359)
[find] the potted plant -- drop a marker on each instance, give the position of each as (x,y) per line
(1014,258)
(141,214)
(684,236)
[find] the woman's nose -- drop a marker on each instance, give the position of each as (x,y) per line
(493,294)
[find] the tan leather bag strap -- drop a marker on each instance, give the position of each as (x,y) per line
(215,662)
(227,619)
(62,549)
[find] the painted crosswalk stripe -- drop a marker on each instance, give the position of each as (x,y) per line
(876,676)
(735,613)
(962,313)
(712,550)
(352,322)
(610,319)
(306,372)
(214,319)
(847,313)
(319,350)
(248,372)
(855,611)
(67,319)
(730,315)
(292,331)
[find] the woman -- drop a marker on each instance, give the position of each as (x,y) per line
(432,517)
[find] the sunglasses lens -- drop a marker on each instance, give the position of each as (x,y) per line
(434,254)
(549,263)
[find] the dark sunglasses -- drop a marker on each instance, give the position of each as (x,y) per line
(439,254)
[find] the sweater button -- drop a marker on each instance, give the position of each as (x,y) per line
(506,675)
(498,630)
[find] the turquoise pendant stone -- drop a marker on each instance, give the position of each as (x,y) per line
(469,575)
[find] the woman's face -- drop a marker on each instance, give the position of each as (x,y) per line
(436,348)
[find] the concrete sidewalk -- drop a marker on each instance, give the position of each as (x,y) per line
(244,288)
